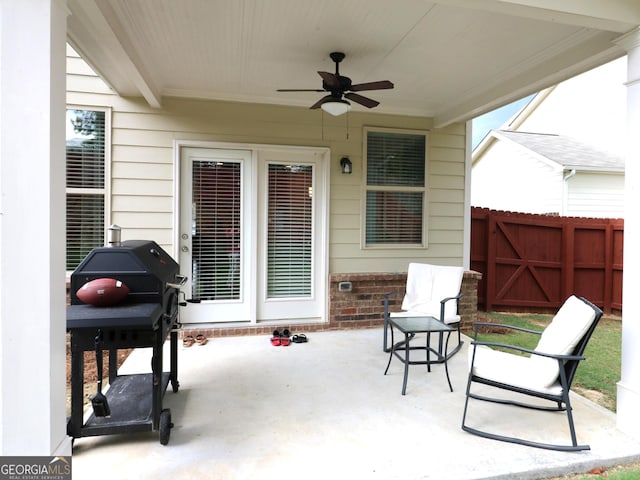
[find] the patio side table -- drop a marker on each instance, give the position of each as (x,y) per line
(410,326)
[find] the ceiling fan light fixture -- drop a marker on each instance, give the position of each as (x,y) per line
(336,107)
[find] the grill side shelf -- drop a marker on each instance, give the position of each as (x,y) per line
(135,315)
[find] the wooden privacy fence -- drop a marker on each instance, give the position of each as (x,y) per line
(532,263)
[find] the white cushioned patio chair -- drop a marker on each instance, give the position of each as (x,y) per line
(431,290)
(544,373)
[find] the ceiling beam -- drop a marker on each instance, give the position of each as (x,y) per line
(598,51)
(94,32)
(611,15)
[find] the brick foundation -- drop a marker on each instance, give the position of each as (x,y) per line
(362,307)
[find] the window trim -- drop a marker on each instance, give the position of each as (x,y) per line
(106,190)
(381,188)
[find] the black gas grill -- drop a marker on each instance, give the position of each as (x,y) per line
(145,318)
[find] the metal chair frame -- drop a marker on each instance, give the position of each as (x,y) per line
(568,365)
(387,315)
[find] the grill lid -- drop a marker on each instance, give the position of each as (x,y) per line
(142,265)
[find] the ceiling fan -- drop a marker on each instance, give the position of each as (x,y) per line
(339,86)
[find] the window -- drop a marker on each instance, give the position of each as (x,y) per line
(395,188)
(86,191)
(290,231)
(216,229)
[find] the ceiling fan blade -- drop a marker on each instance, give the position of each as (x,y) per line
(330,79)
(367,102)
(381,85)
(321,101)
(300,90)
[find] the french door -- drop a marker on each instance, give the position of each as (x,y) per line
(252,235)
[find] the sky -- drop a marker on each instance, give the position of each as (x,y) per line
(494,119)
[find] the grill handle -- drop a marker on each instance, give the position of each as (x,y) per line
(181,281)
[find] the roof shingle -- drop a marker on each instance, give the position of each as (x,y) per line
(566,151)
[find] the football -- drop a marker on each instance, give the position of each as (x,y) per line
(103,292)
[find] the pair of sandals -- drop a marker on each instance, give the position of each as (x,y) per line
(188,340)
(284,339)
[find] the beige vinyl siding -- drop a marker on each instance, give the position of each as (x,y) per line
(142,182)
(80,77)
(446,177)
(142,203)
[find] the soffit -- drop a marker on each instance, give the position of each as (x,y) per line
(449,59)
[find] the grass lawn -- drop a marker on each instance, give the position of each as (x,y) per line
(595,378)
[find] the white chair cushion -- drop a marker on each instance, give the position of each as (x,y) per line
(511,369)
(538,373)
(561,336)
(447,283)
(419,286)
(427,285)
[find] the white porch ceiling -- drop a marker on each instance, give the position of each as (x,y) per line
(449,59)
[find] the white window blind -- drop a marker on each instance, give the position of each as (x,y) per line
(289,231)
(216,230)
(85,168)
(395,188)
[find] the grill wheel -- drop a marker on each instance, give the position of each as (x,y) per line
(165,426)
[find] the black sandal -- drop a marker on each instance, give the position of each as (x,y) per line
(300,338)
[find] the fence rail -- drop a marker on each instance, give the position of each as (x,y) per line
(534,262)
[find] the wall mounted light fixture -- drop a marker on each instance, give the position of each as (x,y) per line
(345,165)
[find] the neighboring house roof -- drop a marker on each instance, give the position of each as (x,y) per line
(565,151)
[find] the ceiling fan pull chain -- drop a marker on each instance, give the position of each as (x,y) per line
(347,125)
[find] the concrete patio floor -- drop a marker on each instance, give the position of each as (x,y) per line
(324,409)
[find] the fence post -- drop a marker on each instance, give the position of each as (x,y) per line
(569,261)
(491,261)
(608,268)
